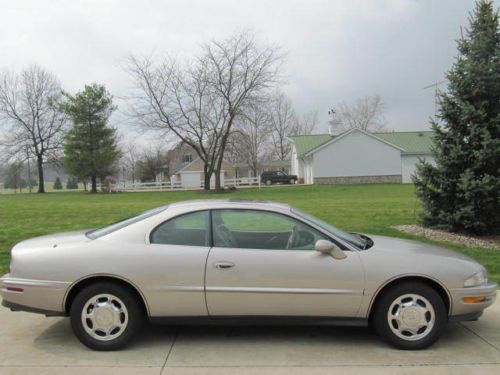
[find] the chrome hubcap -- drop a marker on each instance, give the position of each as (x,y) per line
(104,317)
(411,317)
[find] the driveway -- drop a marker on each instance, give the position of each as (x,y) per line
(33,344)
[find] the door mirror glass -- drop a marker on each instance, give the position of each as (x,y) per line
(327,247)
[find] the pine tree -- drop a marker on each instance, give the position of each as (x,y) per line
(71,183)
(90,148)
(58,184)
(461,192)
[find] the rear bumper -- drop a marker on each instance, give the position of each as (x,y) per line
(461,308)
(43,296)
(16,307)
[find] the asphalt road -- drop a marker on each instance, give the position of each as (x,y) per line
(33,344)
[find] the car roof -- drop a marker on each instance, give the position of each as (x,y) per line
(230,203)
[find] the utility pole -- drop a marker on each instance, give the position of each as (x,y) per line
(436,92)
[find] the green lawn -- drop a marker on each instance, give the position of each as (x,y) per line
(364,208)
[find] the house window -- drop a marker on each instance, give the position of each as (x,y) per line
(187,158)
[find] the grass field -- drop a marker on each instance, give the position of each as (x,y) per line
(364,208)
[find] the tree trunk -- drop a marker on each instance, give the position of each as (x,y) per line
(94,184)
(254,169)
(217,179)
(41,182)
(207,176)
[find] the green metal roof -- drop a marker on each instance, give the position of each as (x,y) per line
(306,143)
(410,142)
(419,142)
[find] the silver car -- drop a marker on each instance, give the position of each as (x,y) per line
(245,261)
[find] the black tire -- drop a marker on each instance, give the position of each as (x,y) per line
(382,324)
(134,312)
(292,182)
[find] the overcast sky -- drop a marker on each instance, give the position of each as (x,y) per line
(337,51)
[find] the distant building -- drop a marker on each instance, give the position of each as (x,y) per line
(357,156)
(186,168)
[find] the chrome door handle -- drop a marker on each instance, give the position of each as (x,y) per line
(224,265)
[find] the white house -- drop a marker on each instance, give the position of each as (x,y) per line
(357,156)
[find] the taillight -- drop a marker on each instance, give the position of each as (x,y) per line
(15,289)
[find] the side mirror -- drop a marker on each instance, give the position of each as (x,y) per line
(327,247)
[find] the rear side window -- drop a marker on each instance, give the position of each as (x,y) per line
(188,230)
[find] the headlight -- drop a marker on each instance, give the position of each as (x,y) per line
(477,279)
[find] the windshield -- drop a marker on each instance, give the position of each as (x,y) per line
(96,233)
(353,240)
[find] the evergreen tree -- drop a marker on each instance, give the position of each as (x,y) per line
(90,148)
(58,184)
(71,183)
(461,192)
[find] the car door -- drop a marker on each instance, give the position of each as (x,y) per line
(177,254)
(254,270)
(281,177)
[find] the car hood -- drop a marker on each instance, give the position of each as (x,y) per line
(410,248)
(52,240)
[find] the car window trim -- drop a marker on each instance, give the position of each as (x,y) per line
(336,241)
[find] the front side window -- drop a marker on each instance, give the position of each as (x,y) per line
(254,229)
(189,230)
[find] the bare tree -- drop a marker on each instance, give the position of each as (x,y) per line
(152,163)
(14,175)
(283,124)
(366,114)
(199,103)
(250,140)
(32,119)
(130,158)
(306,124)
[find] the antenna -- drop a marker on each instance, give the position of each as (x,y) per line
(436,91)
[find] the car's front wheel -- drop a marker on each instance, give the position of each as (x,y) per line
(105,316)
(410,316)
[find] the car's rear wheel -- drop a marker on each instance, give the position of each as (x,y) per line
(292,181)
(105,316)
(410,316)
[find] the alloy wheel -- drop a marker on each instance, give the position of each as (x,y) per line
(104,317)
(411,317)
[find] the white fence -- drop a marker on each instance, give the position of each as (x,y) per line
(177,185)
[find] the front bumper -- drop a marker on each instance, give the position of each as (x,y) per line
(43,296)
(461,308)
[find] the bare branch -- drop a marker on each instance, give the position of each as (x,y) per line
(366,114)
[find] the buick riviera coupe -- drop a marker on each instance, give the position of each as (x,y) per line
(242,261)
